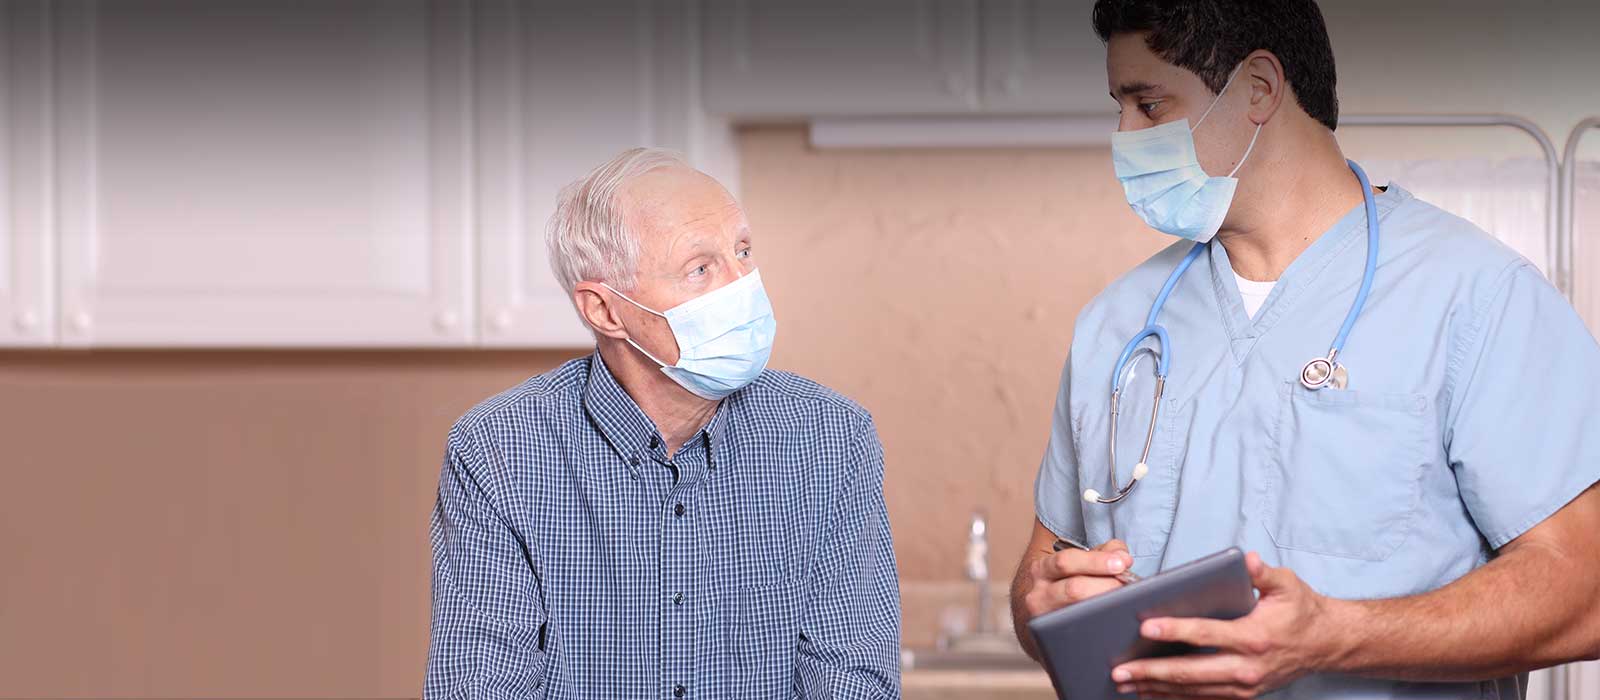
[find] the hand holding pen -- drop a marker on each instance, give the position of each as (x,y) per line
(1127,576)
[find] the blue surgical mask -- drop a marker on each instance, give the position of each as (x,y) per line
(1164,182)
(724,337)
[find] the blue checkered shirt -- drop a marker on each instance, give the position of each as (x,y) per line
(574,558)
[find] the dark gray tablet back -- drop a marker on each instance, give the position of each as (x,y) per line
(1081,643)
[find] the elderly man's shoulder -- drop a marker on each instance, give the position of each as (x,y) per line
(783,392)
(544,400)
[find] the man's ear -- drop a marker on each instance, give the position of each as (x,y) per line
(596,307)
(1267,85)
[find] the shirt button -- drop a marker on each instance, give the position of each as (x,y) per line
(655,442)
(679,691)
(634,461)
(678,510)
(677,599)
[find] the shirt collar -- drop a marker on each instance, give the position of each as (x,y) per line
(626,427)
(1349,231)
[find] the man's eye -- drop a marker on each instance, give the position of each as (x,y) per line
(698,271)
(743,254)
(1148,107)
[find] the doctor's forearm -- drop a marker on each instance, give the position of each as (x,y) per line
(1529,608)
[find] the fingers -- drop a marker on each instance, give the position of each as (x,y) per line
(1200,632)
(1227,675)
(1076,562)
(1113,546)
(1080,588)
(1266,578)
(1071,575)
(1052,595)
(1162,691)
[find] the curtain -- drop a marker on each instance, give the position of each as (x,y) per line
(1505,198)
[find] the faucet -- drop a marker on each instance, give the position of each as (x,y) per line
(978,570)
(984,645)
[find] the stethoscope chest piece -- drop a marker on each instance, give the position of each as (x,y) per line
(1322,372)
(1317,373)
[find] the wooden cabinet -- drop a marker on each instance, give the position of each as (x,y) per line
(255,173)
(27,262)
(1041,56)
(777,58)
(564,86)
(261,173)
(334,174)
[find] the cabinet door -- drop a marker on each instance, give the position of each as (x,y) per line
(1042,56)
(776,58)
(563,86)
(27,265)
(262,173)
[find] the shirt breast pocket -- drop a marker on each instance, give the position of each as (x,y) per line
(767,639)
(1344,475)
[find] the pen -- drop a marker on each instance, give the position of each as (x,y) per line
(1127,576)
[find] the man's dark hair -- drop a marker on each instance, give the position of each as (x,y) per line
(1211,37)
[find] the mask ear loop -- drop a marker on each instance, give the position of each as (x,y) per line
(630,340)
(1247,150)
(1218,98)
(1207,113)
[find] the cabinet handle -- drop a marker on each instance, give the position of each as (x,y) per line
(81,322)
(26,321)
(445,321)
(501,320)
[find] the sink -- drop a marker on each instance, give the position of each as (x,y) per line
(958,636)
(976,652)
(973,672)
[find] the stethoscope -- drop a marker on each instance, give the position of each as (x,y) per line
(1317,373)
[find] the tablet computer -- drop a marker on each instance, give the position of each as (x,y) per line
(1082,642)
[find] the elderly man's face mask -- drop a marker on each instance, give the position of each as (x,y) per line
(724,337)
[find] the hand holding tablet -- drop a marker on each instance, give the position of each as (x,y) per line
(1082,642)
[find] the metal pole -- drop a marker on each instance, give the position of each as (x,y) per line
(1556,248)
(1569,176)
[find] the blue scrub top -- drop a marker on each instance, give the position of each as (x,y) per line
(1472,413)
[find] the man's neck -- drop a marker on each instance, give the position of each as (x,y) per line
(677,414)
(1294,200)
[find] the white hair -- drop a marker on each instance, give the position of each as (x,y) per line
(588,236)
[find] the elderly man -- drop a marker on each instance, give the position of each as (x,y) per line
(664,518)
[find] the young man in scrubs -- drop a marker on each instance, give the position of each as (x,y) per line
(1425,525)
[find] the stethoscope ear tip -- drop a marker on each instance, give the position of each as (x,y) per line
(1091,495)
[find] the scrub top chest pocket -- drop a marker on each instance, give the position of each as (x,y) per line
(1344,475)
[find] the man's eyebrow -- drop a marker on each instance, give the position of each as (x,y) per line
(1135,88)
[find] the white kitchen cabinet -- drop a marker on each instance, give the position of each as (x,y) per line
(1042,57)
(27,265)
(778,58)
(261,173)
(562,87)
